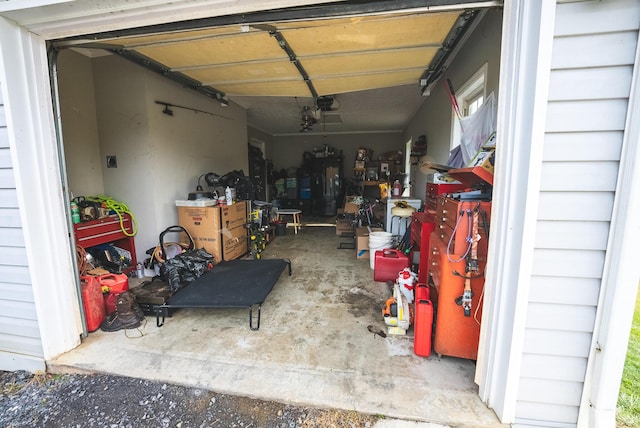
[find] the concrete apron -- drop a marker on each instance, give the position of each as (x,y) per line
(313,347)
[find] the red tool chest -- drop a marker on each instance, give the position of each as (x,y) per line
(457,215)
(107,230)
(457,335)
(434,190)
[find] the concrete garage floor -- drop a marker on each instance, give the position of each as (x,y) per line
(312,348)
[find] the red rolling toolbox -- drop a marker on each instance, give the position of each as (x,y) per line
(388,263)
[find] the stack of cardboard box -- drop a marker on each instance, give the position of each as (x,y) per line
(221,230)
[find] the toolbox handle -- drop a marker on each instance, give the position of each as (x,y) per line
(390,252)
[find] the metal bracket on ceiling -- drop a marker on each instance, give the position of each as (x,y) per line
(176,76)
(293,58)
(150,64)
(462,28)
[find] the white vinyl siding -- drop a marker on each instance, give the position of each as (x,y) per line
(589,88)
(20,344)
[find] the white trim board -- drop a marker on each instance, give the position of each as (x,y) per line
(524,76)
(620,279)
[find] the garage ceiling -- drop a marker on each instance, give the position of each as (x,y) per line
(358,73)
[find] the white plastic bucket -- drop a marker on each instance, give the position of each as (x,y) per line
(378,241)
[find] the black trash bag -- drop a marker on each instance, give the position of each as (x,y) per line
(245,189)
(185,268)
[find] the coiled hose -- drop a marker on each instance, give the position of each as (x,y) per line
(119,208)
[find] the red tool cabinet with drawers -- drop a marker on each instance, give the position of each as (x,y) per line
(456,334)
(107,230)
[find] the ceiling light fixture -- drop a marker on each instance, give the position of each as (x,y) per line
(307,117)
(307,120)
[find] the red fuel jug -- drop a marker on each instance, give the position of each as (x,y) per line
(92,301)
(423,328)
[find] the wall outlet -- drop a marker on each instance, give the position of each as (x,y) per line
(112,162)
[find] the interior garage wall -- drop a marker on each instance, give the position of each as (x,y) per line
(288,151)
(80,125)
(159,157)
(434,118)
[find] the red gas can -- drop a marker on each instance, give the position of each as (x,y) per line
(388,263)
(114,284)
(117,283)
(423,328)
(92,301)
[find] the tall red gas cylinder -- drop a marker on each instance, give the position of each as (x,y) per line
(115,284)
(92,301)
(423,327)
(422,292)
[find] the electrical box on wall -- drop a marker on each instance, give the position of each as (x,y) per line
(112,161)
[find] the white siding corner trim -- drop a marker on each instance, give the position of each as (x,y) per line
(561,283)
(34,156)
(20,347)
(620,276)
(524,80)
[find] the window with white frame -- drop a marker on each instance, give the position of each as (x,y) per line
(407,166)
(470,97)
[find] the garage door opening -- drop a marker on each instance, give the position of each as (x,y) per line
(315,346)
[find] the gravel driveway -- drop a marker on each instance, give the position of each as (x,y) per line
(73,400)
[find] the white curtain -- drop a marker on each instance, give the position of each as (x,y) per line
(477,128)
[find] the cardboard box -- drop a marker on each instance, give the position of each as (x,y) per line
(362,241)
(484,159)
(343,225)
(234,242)
(203,224)
(350,206)
(219,230)
(234,215)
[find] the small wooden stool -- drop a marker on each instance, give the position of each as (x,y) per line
(294,213)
